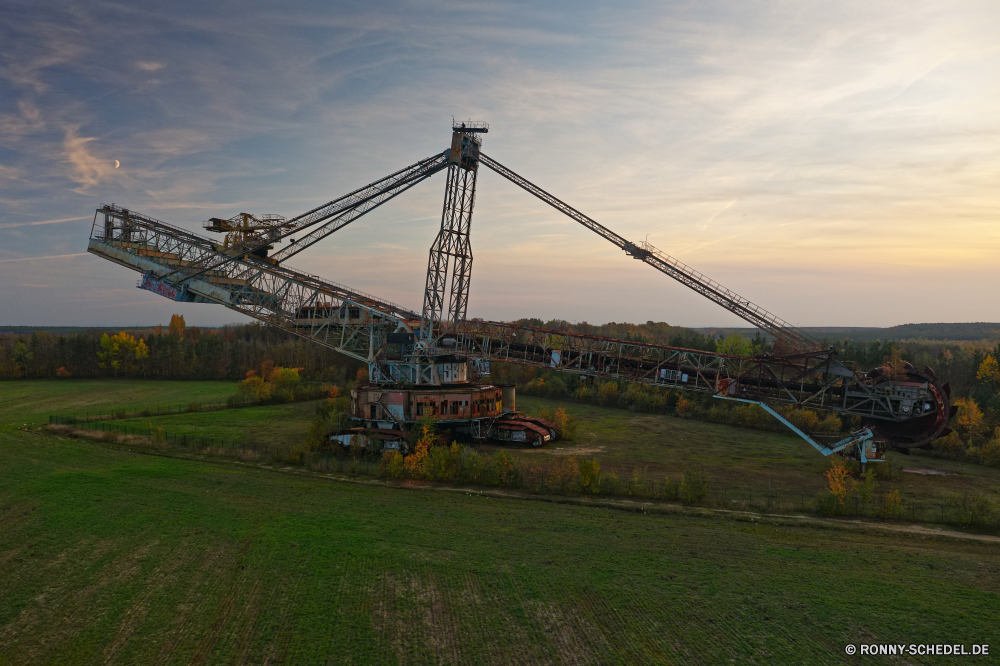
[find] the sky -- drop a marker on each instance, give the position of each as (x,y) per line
(836,163)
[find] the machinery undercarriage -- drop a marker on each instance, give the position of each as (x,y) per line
(439,361)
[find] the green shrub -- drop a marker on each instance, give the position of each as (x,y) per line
(609,484)
(827,504)
(391,466)
(892,505)
(693,487)
(883,471)
(669,489)
(974,510)
(590,475)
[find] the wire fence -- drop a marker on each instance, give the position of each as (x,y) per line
(250,451)
(234,402)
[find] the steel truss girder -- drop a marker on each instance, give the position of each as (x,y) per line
(809,379)
(794,339)
(276,295)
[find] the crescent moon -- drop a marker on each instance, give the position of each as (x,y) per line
(117,164)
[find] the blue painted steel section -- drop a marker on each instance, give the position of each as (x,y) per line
(859,439)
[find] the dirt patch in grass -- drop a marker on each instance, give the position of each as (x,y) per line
(568,450)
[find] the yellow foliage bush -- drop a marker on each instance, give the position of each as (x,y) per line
(838,478)
(590,474)
(969,422)
(683,407)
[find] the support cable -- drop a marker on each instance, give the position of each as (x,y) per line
(343,210)
(754,314)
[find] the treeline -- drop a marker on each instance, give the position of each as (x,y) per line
(653,332)
(172,352)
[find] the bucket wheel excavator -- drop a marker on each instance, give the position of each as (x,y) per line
(436,362)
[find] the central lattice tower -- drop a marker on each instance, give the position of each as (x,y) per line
(453,240)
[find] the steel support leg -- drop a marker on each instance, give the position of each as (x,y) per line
(452,241)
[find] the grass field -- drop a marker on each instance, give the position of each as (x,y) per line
(33,401)
(741,462)
(113,557)
(740,458)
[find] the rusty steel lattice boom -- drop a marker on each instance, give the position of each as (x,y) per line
(345,319)
(810,379)
(794,338)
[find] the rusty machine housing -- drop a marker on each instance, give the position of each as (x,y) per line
(466,410)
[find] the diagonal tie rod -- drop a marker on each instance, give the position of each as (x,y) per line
(336,214)
(689,277)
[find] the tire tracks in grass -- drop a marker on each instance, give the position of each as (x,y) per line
(181,619)
(240,589)
(160,579)
(337,600)
(66,609)
(277,650)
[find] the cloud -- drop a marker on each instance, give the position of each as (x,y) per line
(31,47)
(148,66)
(27,121)
(12,225)
(85,168)
(51,256)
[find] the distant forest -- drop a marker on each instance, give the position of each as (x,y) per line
(959,332)
(172,352)
(179,352)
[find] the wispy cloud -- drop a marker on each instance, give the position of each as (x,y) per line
(51,256)
(86,168)
(11,225)
(150,66)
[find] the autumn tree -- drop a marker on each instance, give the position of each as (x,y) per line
(590,474)
(272,382)
(989,371)
(735,344)
(969,422)
(254,387)
(177,326)
(837,477)
(21,357)
(416,462)
(683,408)
(122,352)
